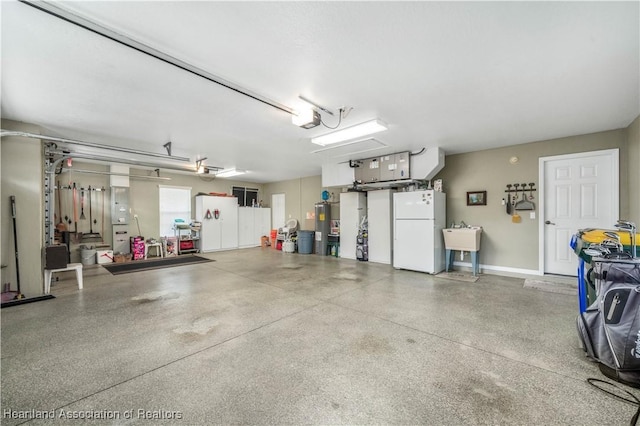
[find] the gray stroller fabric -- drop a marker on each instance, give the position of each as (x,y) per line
(610,327)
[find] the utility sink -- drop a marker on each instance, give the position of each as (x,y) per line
(462,239)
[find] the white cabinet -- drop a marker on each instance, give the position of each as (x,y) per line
(337,175)
(253,223)
(380,218)
(353,206)
(219,217)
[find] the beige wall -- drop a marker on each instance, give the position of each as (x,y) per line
(301,195)
(144,201)
(633,133)
(22,176)
(507,245)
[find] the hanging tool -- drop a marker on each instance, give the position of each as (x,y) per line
(509,198)
(61,226)
(524,204)
(531,191)
(75,208)
(82,216)
(15,243)
(102,207)
(515,217)
(91,235)
(70,210)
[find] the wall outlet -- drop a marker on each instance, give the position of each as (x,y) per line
(532,215)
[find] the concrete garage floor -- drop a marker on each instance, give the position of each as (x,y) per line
(264,337)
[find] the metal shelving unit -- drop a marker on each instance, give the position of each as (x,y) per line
(187,238)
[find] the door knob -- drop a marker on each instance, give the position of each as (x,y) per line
(548,222)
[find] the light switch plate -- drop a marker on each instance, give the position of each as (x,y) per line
(532,215)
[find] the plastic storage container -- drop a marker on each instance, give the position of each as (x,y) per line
(104,256)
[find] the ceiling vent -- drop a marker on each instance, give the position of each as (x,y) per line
(351,149)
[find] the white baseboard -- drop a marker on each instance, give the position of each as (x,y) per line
(501,270)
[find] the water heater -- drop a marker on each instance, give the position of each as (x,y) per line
(323,227)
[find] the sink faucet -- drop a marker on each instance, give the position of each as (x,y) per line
(462,224)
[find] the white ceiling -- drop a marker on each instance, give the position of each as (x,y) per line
(462,76)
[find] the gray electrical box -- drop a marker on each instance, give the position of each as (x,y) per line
(370,170)
(384,168)
(401,166)
(121,239)
(387,167)
(119,205)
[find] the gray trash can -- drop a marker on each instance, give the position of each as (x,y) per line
(305,242)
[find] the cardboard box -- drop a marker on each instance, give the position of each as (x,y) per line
(122,257)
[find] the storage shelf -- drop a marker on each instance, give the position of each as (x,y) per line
(187,234)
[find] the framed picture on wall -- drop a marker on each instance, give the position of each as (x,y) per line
(477,198)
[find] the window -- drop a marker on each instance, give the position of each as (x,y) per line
(247,197)
(175,203)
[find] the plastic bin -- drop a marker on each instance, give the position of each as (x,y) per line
(305,242)
(104,256)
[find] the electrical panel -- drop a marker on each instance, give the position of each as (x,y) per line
(119,205)
(385,168)
(401,166)
(370,170)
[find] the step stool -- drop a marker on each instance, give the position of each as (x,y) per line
(70,267)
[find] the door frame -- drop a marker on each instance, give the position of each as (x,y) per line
(614,153)
(273,209)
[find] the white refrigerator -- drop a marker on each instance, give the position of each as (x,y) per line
(418,220)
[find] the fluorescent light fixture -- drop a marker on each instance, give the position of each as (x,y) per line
(357,131)
(230,173)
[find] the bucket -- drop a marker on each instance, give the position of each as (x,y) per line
(305,242)
(87,256)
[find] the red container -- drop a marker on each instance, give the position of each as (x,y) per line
(274,236)
(186,245)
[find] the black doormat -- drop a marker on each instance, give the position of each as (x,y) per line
(15,302)
(147,265)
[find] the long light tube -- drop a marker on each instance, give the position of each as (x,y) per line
(357,131)
(229,173)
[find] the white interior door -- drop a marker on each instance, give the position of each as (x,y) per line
(579,191)
(277,211)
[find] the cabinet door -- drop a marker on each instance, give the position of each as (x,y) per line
(379,207)
(210,231)
(246,227)
(229,222)
(265,224)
